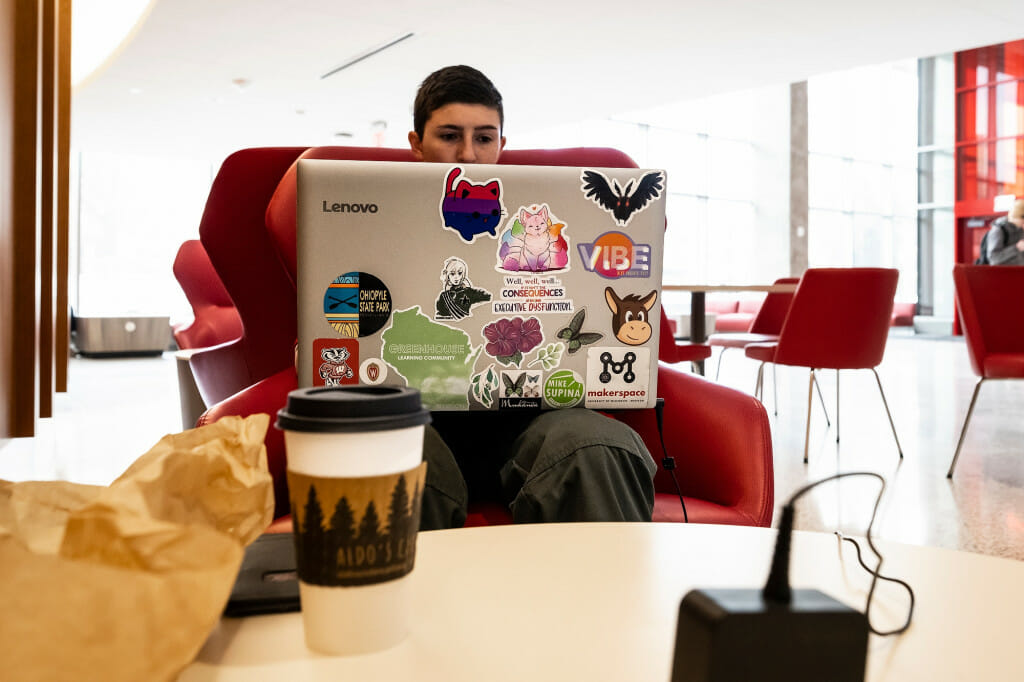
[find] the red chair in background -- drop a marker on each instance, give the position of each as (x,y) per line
(234,234)
(719,438)
(838,319)
(766,325)
(994,334)
(672,351)
(214,318)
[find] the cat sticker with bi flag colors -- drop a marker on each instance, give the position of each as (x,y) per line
(471,208)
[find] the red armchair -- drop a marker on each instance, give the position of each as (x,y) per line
(719,437)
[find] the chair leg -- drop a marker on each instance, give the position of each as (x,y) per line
(821,398)
(963,431)
(887,412)
(837,405)
(810,400)
(718,370)
(775,390)
(760,379)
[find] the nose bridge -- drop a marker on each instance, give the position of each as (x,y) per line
(466,150)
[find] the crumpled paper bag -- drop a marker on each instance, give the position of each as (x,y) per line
(125,582)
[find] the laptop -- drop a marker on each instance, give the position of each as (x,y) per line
(486,287)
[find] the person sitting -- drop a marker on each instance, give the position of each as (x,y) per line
(1005,241)
(557,465)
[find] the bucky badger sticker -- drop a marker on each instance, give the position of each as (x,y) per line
(622,202)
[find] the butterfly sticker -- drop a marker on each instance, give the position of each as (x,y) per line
(513,389)
(574,337)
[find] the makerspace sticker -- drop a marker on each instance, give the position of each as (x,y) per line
(373,371)
(520,390)
(630,316)
(532,294)
(333,360)
(471,208)
(563,388)
(356,531)
(509,338)
(433,357)
(617,376)
(534,242)
(459,295)
(613,255)
(357,304)
(622,202)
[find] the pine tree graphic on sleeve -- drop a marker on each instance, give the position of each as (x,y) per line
(312,550)
(340,534)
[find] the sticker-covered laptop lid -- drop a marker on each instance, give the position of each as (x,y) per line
(485,287)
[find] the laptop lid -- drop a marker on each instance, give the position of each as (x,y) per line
(486,287)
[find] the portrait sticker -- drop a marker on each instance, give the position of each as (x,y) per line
(356,531)
(357,304)
(333,362)
(458,295)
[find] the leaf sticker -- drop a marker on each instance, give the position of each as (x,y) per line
(482,386)
(549,356)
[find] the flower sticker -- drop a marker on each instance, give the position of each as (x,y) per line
(509,338)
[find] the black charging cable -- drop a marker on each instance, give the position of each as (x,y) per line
(777,588)
(668,462)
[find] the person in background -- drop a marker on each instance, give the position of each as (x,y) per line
(1005,241)
(558,465)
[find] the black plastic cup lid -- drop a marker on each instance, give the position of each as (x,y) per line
(344,409)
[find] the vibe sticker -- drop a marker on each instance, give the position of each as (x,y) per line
(520,390)
(563,388)
(630,316)
(471,208)
(509,338)
(333,362)
(534,242)
(357,304)
(532,294)
(622,202)
(459,295)
(373,371)
(613,255)
(433,357)
(617,377)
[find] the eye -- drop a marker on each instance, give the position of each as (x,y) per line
(484,139)
(629,316)
(476,214)
(641,316)
(494,211)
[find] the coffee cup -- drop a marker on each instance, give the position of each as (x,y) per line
(355,477)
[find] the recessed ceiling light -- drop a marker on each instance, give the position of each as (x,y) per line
(135,91)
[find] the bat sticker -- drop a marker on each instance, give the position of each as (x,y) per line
(622,202)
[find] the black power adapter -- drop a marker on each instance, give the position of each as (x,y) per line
(736,634)
(771,635)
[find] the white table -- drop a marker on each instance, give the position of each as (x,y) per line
(600,601)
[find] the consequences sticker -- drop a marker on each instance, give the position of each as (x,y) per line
(356,531)
(617,376)
(357,304)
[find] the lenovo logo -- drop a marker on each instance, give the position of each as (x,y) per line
(349,208)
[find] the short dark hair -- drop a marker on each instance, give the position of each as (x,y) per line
(462,84)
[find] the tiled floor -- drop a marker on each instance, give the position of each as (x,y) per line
(117,408)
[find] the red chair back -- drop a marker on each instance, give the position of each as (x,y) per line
(838,319)
(985,299)
(235,237)
(215,319)
(774,309)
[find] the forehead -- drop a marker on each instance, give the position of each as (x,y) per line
(459,115)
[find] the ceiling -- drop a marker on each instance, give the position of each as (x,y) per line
(201,78)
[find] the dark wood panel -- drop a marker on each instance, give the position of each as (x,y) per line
(62,331)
